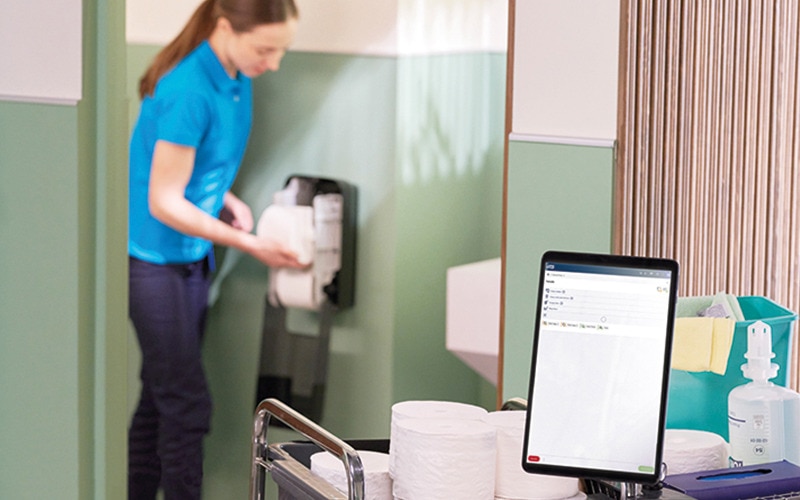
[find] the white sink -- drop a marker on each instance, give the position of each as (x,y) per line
(473,315)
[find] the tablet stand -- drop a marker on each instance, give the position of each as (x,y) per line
(603,490)
(630,491)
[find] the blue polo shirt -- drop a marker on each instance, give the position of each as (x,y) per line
(195,104)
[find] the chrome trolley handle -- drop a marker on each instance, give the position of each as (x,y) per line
(319,436)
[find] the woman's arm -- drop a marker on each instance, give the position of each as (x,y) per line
(170,173)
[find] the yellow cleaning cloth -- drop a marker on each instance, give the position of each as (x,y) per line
(702,344)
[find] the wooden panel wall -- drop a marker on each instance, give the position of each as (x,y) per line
(707,171)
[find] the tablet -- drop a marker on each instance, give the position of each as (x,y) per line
(602,343)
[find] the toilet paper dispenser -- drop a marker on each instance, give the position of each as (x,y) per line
(316,218)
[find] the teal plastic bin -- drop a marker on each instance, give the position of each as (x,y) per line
(699,400)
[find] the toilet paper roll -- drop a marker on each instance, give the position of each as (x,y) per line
(691,451)
(445,459)
(294,288)
(377,483)
(512,482)
(291,226)
(428,410)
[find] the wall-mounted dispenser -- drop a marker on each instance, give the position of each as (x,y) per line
(317,219)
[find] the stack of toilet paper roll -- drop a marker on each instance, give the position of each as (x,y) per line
(692,451)
(441,449)
(426,410)
(377,483)
(512,482)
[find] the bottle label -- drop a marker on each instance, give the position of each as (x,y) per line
(754,435)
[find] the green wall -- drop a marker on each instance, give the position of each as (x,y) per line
(559,197)
(421,138)
(41,344)
(63,309)
(448,210)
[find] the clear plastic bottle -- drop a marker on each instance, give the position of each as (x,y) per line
(763,418)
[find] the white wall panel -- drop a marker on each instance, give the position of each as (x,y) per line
(41,51)
(156,21)
(368,27)
(357,26)
(566,68)
(447,26)
(347,26)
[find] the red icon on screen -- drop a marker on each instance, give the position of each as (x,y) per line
(534,458)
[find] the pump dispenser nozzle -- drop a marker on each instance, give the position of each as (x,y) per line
(759,352)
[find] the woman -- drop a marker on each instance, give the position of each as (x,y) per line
(185,151)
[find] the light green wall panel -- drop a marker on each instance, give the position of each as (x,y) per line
(449,210)
(39,344)
(103,209)
(559,197)
(64,307)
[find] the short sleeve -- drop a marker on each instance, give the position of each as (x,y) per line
(183,118)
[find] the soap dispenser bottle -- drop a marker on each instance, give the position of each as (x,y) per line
(763,418)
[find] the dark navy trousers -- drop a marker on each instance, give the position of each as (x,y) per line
(168,305)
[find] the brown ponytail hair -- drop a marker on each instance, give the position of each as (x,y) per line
(243,15)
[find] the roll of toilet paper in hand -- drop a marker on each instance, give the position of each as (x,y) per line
(377,483)
(291,226)
(444,459)
(442,410)
(692,451)
(512,481)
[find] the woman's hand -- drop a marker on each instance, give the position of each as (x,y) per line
(267,251)
(238,214)
(273,254)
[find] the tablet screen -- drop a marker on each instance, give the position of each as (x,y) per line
(599,374)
